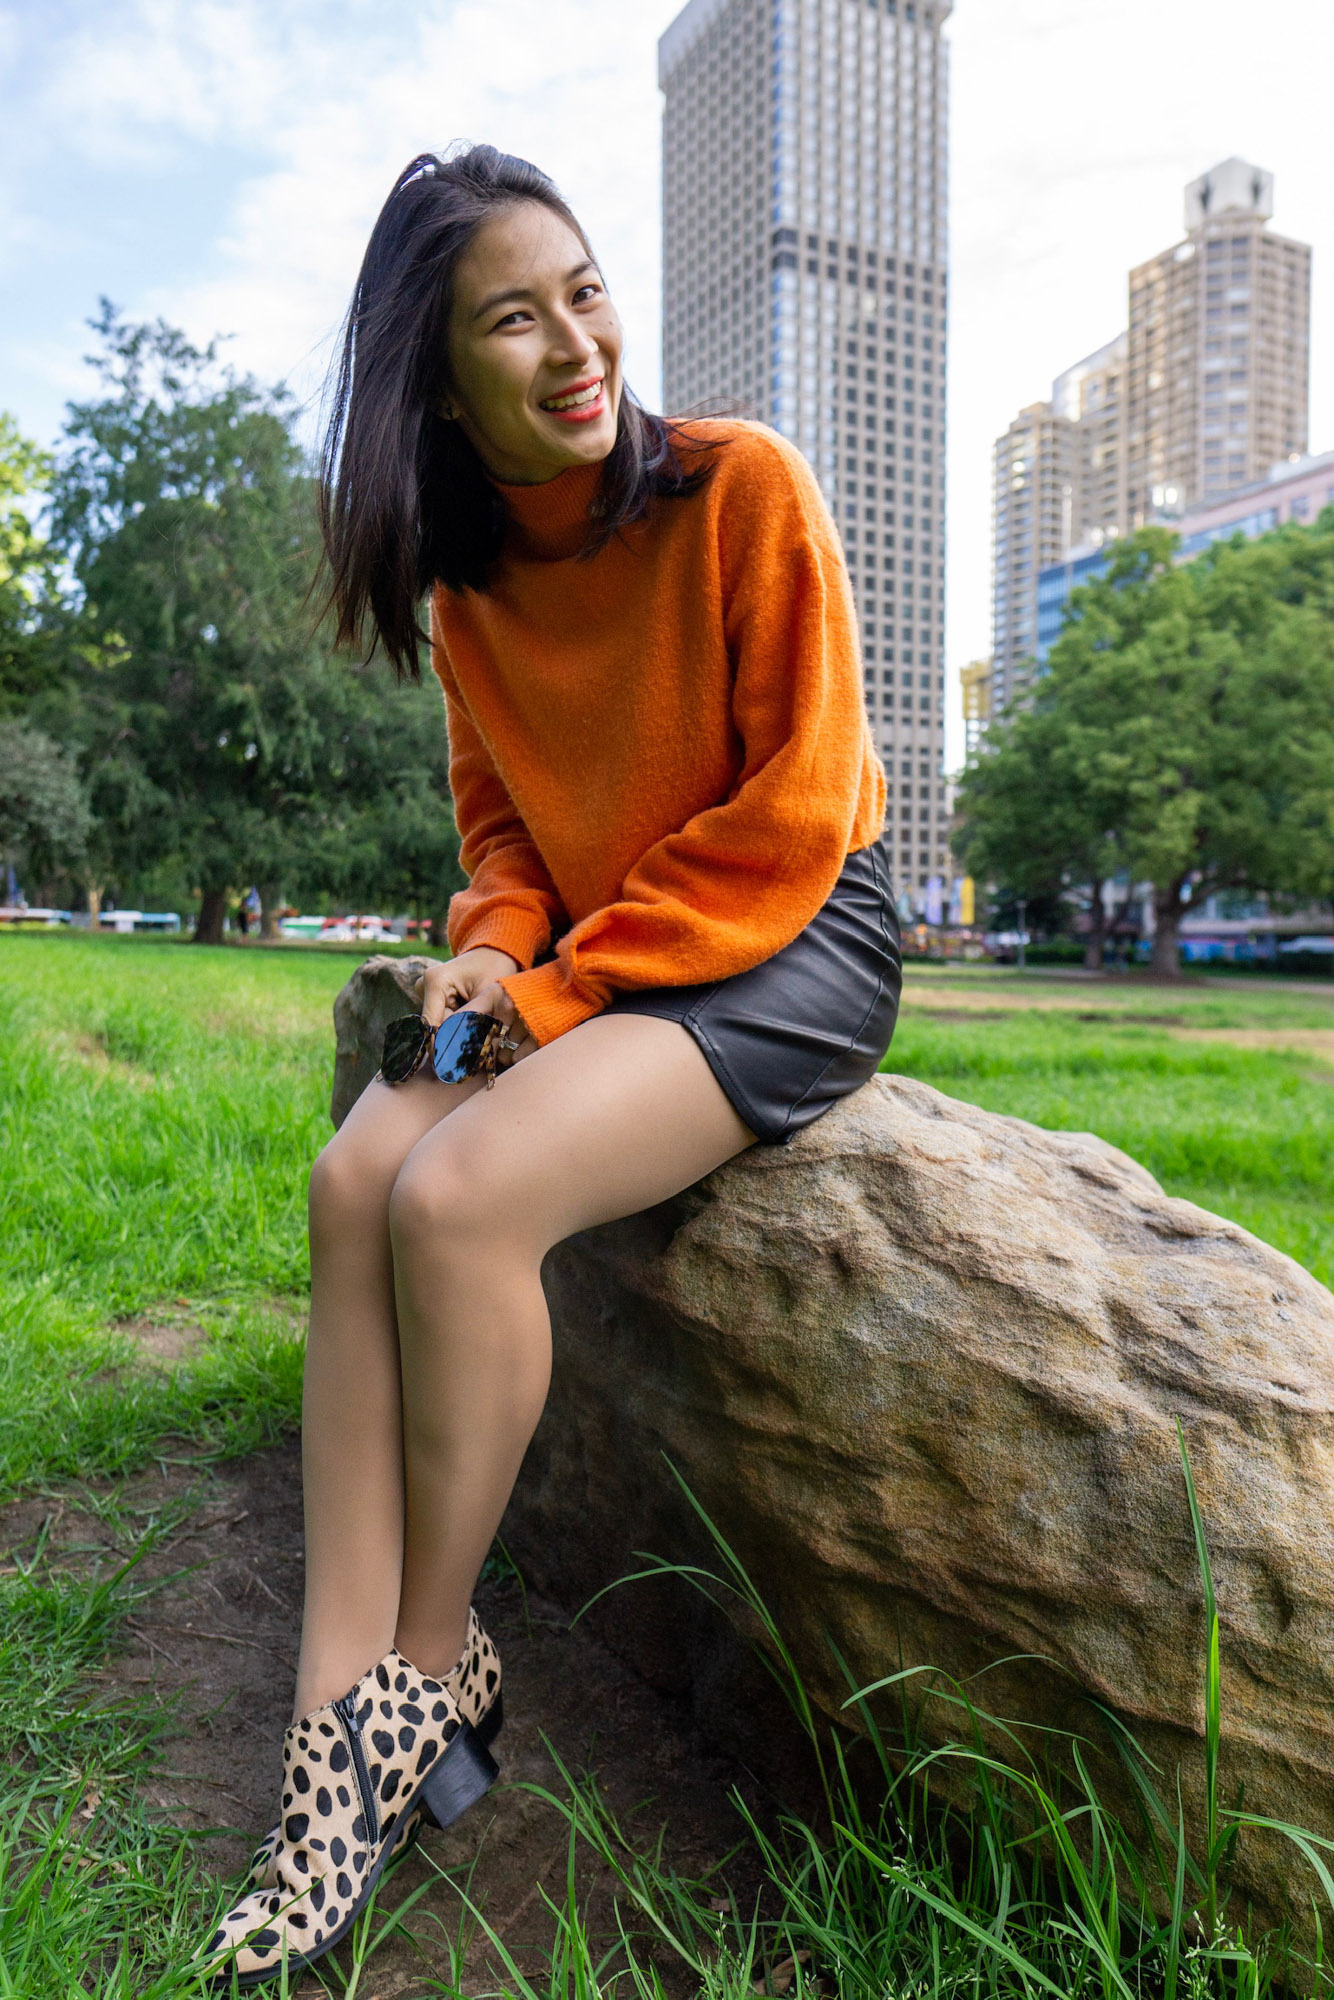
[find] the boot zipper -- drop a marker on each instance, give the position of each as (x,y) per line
(346,1710)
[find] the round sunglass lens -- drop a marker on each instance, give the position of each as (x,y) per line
(404,1041)
(459,1044)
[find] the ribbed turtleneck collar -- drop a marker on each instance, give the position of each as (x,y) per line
(551,520)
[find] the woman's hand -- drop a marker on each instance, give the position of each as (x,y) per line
(472,980)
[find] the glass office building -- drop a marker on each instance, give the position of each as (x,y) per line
(1055,583)
(1299,491)
(805,170)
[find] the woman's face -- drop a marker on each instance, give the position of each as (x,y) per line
(534,363)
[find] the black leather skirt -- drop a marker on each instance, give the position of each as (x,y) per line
(805,1027)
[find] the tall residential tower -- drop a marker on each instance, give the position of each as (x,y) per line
(1204,393)
(1033,498)
(804,282)
(1219,349)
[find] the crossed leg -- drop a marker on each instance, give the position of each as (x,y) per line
(430,1343)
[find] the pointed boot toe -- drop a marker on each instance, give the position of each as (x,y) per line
(355,1774)
(475,1686)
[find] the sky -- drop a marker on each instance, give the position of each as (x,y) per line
(220,162)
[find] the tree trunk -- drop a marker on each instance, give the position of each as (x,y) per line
(212,910)
(1167,908)
(94,894)
(439,931)
(1094,942)
(270,902)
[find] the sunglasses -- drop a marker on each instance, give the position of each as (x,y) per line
(463,1044)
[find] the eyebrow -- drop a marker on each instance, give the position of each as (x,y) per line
(501,298)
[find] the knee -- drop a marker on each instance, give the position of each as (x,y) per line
(348,1187)
(436,1205)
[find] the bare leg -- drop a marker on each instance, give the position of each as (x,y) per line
(352,1420)
(620,1113)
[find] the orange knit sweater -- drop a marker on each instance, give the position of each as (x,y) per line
(662,752)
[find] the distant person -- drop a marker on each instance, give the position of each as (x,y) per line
(243,920)
(645,634)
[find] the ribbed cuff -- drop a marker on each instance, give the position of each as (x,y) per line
(548,1005)
(522,933)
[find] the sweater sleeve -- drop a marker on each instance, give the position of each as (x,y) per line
(740,879)
(511,901)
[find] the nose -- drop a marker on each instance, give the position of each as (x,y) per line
(572,340)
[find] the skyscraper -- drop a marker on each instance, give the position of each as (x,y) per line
(805,172)
(1092,395)
(1033,487)
(1204,393)
(1219,349)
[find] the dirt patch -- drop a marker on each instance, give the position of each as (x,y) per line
(942,1003)
(163,1342)
(1318,1042)
(959,1013)
(1118,1004)
(92,1052)
(224,1637)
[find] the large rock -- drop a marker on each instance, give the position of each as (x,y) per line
(922,1369)
(379,991)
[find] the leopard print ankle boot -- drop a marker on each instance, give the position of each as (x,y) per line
(475,1686)
(354,1773)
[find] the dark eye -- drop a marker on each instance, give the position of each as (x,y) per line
(509,317)
(594,289)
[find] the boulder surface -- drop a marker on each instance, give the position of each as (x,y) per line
(379,991)
(922,1369)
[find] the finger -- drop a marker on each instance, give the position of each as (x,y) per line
(493,999)
(439,999)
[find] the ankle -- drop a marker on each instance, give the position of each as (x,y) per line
(320,1681)
(438,1651)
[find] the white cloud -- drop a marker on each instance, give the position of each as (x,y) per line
(332,106)
(1074,130)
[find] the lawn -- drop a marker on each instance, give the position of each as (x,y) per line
(161,1105)
(1223,1088)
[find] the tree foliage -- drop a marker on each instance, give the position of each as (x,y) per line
(216,730)
(44,814)
(1183,734)
(26,565)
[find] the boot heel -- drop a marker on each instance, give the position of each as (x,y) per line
(466,1770)
(489,1727)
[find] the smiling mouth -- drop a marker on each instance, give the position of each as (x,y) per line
(575,399)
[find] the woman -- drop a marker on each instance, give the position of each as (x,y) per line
(679,906)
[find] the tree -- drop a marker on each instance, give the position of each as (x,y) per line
(44,815)
(1033,821)
(387,835)
(27,565)
(1183,732)
(216,727)
(181,502)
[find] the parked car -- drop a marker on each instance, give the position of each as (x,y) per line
(18,916)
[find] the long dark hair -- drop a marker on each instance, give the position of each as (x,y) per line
(405,501)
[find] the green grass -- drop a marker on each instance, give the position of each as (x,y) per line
(1041,1890)
(159,1110)
(166,1103)
(161,1106)
(1246,1132)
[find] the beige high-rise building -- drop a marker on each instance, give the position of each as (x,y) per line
(1219,349)
(1204,393)
(975,689)
(1033,485)
(1092,395)
(805,177)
